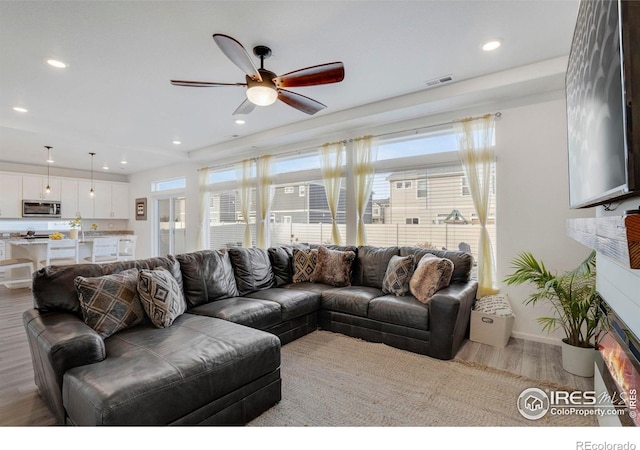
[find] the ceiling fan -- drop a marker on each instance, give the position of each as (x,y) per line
(265,87)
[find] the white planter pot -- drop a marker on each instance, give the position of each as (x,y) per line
(578,360)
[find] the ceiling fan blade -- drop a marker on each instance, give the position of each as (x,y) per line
(311,76)
(300,102)
(204,84)
(245,108)
(237,54)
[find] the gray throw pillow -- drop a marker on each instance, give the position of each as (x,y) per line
(161,296)
(399,272)
(110,303)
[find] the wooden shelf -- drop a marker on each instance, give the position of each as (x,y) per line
(617,237)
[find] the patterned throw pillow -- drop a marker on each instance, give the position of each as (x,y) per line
(431,275)
(304,262)
(399,271)
(161,296)
(333,267)
(110,303)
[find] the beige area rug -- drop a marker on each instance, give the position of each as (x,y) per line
(331,380)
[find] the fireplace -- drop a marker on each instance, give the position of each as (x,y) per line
(617,375)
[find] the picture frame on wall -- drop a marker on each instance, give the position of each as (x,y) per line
(141,209)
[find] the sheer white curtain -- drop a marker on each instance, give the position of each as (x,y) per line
(331,157)
(265,196)
(203,202)
(364,155)
(245,184)
(475,140)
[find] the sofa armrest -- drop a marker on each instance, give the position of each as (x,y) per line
(58,342)
(449,315)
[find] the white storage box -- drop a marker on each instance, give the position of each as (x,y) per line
(492,320)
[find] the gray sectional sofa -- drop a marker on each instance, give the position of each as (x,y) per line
(219,362)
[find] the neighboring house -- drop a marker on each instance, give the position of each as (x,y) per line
(428,197)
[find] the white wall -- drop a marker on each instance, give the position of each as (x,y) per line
(140,187)
(532,202)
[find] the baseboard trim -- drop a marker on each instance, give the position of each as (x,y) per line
(537,338)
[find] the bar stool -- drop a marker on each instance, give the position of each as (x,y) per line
(16,263)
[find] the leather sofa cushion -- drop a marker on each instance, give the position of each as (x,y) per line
(252,269)
(309,287)
(252,312)
(293,303)
(406,311)
(371,265)
(54,288)
(207,276)
(462,261)
(155,376)
(282,264)
(351,300)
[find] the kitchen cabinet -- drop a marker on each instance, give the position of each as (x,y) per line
(33,188)
(69,199)
(109,202)
(11,197)
(85,201)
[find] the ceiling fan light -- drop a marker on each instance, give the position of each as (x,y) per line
(262,95)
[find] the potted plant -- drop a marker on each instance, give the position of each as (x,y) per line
(574,300)
(75,224)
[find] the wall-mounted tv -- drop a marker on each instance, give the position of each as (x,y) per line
(603,106)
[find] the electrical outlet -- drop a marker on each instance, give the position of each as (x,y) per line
(110,226)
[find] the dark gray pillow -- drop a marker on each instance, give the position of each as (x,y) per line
(252,269)
(207,275)
(282,264)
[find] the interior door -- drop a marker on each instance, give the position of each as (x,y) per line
(171,225)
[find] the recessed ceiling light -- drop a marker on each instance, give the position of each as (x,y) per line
(124,161)
(240,122)
(491,45)
(20,109)
(56,63)
(176,142)
(105,167)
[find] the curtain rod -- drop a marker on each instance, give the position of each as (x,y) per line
(414,130)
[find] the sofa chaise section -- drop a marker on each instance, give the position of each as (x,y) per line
(201,370)
(222,372)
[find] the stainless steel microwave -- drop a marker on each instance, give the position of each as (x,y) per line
(40,208)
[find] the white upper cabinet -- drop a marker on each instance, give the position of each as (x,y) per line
(110,200)
(11,196)
(34,188)
(69,199)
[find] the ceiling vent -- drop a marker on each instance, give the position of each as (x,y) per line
(440,80)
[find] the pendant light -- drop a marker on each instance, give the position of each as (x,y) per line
(47,190)
(91,192)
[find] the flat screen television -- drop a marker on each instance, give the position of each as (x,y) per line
(603,107)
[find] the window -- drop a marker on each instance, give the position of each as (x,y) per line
(464,187)
(420,197)
(167,185)
(421,192)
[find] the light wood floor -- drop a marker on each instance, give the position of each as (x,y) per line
(20,404)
